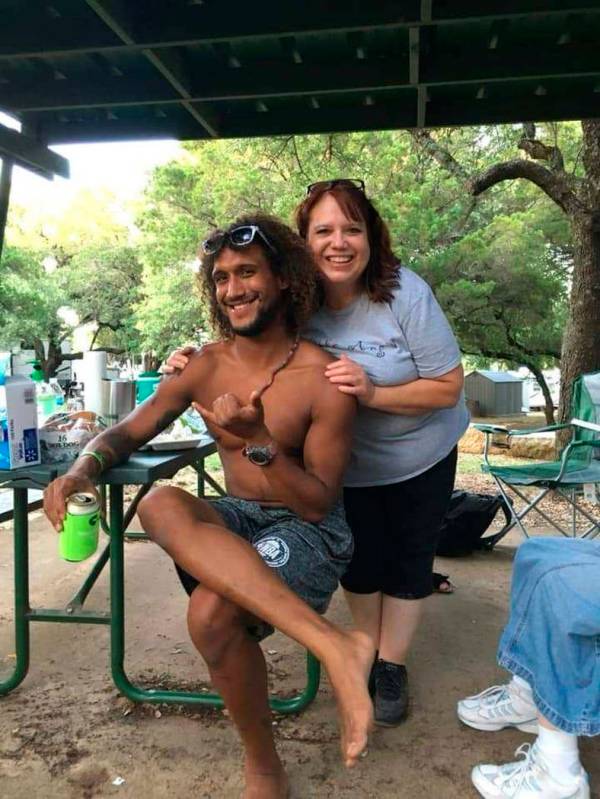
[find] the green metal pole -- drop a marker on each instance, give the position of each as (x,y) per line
(21,573)
(79,598)
(199,467)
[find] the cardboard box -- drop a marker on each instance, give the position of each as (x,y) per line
(19,439)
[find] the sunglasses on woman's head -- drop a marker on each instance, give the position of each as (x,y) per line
(239,237)
(325,185)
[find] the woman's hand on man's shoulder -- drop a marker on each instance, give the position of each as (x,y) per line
(178,359)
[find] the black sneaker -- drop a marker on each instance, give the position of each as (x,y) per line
(371,683)
(391,693)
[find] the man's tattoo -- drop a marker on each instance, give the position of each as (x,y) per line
(116,446)
(165,420)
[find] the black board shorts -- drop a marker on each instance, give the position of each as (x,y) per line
(309,557)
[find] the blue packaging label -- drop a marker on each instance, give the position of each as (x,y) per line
(30,444)
(4,451)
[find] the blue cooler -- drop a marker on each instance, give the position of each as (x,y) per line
(145,385)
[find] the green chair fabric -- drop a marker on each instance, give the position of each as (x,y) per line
(579,463)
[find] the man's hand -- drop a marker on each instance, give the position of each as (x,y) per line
(58,492)
(244,421)
(178,360)
(350,378)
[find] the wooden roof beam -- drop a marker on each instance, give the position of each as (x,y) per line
(416,39)
(115,15)
(121,129)
(510,63)
(278,79)
(285,19)
(289,45)
(28,153)
(284,79)
(496,33)
(171,67)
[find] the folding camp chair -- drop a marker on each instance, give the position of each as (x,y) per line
(577,467)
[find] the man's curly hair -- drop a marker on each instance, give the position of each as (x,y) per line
(290,260)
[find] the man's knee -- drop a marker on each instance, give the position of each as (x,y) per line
(214,623)
(157,508)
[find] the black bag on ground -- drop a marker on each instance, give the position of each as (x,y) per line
(468,517)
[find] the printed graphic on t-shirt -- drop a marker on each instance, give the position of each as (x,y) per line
(377,350)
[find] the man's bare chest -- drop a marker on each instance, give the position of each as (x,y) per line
(287,402)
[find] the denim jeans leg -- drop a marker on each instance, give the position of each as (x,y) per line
(552,638)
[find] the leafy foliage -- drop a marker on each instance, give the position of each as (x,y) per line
(499,265)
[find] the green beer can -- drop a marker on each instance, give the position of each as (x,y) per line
(79,537)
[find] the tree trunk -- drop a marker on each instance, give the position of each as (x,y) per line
(150,362)
(54,359)
(549,404)
(581,342)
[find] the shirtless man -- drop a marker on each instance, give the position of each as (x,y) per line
(273,549)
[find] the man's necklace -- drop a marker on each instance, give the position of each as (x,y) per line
(283,364)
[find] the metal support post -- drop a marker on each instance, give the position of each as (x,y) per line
(5,182)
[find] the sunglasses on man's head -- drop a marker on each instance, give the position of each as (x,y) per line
(239,237)
(325,185)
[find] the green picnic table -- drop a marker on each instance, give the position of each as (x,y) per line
(141,469)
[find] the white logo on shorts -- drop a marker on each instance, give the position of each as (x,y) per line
(274,551)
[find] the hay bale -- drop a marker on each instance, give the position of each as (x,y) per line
(535,447)
(472,441)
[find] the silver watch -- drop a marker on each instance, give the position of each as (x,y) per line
(259,455)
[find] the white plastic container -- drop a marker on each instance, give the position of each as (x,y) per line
(59,395)
(19,438)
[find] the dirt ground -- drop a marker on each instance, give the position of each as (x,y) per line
(66,733)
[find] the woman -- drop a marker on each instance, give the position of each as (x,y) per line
(399,358)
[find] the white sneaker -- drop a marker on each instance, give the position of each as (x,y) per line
(527,779)
(498,707)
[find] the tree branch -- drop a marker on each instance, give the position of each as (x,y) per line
(555,186)
(298,161)
(95,336)
(542,152)
(447,161)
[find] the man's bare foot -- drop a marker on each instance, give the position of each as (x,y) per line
(261,784)
(348,666)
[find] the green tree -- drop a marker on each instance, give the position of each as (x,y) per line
(504,291)
(31,301)
(563,161)
(102,284)
(437,227)
(37,293)
(169,311)
(76,261)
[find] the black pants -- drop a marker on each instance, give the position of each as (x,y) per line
(396,529)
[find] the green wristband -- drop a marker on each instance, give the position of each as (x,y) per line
(97,456)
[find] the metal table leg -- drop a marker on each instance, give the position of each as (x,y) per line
(117,634)
(21,574)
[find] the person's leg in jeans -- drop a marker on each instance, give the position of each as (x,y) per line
(552,646)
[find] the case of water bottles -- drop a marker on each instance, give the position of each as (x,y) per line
(19,438)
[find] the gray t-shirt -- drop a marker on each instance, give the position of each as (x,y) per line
(395,343)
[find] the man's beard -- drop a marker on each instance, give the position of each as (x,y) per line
(262,321)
